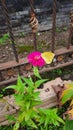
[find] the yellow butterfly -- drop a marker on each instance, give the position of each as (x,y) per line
(48,57)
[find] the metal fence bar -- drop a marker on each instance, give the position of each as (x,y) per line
(71,30)
(9,28)
(31,5)
(35,41)
(1,76)
(34,25)
(69,39)
(54,25)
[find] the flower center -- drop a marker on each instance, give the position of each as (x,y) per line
(36,57)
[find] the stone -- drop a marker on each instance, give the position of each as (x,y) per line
(5,109)
(48,95)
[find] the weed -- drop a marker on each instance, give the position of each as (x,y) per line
(58,30)
(22,48)
(61,42)
(4,38)
(6,127)
(65,29)
(22,34)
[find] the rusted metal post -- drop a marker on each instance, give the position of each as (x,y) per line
(34,24)
(35,41)
(1,77)
(9,28)
(69,39)
(31,5)
(71,29)
(54,25)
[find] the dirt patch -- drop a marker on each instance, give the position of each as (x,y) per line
(25,45)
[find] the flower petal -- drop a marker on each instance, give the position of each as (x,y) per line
(35,59)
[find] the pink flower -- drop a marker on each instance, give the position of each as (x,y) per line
(35,59)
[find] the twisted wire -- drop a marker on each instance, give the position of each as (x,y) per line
(31,5)
(33,23)
(9,28)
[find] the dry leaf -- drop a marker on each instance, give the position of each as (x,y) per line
(60,58)
(70,113)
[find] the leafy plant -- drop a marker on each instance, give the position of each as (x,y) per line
(68,125)
(65,29)
(58,30)
(26,98)
(49,117)
(66,95)
(22,34)
(4,38)
(1,95)
(23,48)
(6,127)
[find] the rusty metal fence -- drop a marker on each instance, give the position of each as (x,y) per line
(10,70)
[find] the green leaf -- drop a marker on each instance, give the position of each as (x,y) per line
(32,124)
(42,120)
(28,115)
(67,95)
(19,87)
(49,116)
(21,116)
(20,84)
(68,125)
(19,81)
(16,126)
(65,29)
(60,120)
(28,81)
(36,72)
(28,105)
(35,103)
(39,82)
(12,87)
(11,118)
(46,121)
(69,85)
(36,95)
(19,99)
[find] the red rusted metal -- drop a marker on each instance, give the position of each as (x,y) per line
(14,64)
(35,41)
(1,77)
(63,50)
(12,80)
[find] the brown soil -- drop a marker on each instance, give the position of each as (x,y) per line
(24,44)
